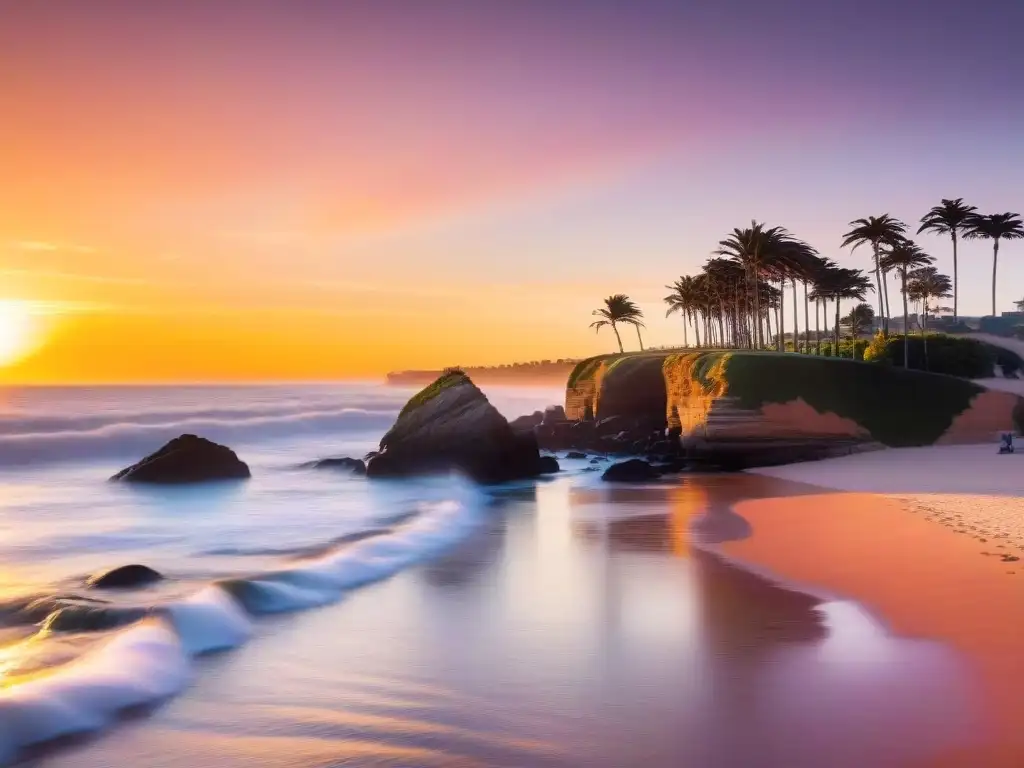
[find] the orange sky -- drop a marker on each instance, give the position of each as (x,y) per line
(190,191)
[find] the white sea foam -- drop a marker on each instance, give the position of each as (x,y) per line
(139,665)
(150,660)
(210,620)
(131,437)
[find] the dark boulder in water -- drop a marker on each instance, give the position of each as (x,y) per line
(451,425)
(632,471)
(575,455)
(73,613)
(341,463)
(78,617)
(186,459)
(549,465)
(125,577)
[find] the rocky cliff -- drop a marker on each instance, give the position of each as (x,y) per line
(743,408)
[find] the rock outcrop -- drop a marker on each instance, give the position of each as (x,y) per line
(528,422)
(632,471)
(548,465)
(125,577)
(451,425)
(186,459)
(340,464)
(739,409)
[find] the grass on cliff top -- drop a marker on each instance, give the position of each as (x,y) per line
(447,379)
(898,407)
(584,369)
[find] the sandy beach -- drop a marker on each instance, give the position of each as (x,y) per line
(863,528)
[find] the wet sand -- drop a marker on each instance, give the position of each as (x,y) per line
(922,579)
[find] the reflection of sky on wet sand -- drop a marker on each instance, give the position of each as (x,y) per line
(829,671)
(574,627)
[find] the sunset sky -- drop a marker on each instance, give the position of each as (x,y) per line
(224,190)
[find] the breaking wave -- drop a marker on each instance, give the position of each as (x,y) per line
(34,440)
(150,659)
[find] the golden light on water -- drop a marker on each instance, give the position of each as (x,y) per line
(21,331)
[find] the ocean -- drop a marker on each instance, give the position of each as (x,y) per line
(315,618)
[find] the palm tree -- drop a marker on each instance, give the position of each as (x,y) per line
(861,319)
(756,249)
(877,231)
(819,277)
(903,257)
(723,281)
(995,227)
(948,218)
(684,299)
(926,283)
(841,284)
(802,262)
(618,309)
(1019,305)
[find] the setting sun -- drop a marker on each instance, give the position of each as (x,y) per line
(19,330)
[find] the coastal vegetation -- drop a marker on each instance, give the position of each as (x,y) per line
(950,217)
(897,407)
(449,378)
(995,227)
(877,231)
(619,309)
(737,300)
(950,355)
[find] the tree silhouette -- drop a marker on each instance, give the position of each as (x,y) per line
(860,320)
(950,217)
(995,227)
(877,231)
(759,250)
(685,300)
(926,283)
(619,309)
(903,257)
(840,283)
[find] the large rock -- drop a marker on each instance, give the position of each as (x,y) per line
(632,471)
(186,459)
(450,425)
(549,465)
(339,463)
(530,421)
(553,414)
(125,577)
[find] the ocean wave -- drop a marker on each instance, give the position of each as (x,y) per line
(132,438)
(34,422)
(150,660)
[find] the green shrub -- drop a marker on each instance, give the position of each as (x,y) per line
(949,355)
(449,378)
(585,368)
